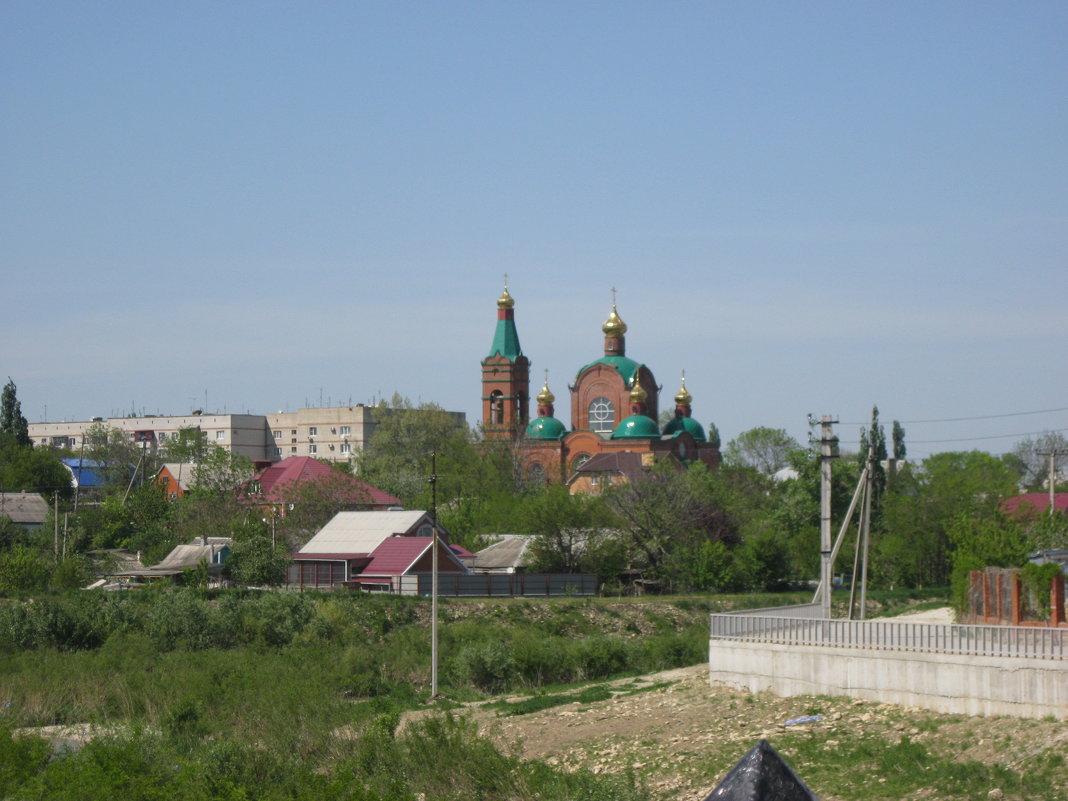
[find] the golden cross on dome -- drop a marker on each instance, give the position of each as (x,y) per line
(506,280)
(613,297)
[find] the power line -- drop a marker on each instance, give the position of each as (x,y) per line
(970,439)
(964,419)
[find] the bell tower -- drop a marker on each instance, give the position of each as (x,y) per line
(505,377)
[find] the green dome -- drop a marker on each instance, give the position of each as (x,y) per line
(679,424)
(637,426)
(627,368)
(545,428)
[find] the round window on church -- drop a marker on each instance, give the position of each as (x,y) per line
(602,416)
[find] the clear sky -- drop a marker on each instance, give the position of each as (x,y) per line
(810,207)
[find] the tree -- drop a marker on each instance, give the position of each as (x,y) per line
(11,420)
(1031,462)
(221,471)
(567,529)
(713,435)
(311,504)
(874,440)
(31,469)
(915,547)
(117,455)
(765,449)
(899,442)
(255,562)
(397,457)
(189,444)
(668,507)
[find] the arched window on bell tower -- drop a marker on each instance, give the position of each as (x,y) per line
(496,407)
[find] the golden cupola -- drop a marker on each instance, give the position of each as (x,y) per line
(505,301)
(546,397)
(683,397)
(614,326)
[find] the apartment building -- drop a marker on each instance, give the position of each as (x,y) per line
(332,433)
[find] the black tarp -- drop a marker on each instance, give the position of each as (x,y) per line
(761,775)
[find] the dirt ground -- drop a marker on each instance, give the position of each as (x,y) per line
(680,735)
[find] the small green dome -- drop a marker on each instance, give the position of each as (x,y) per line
(679,424)
(637,426)
(545,428)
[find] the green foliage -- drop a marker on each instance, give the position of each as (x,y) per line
(982,542)
(23,570)
(397,457)
(25,468)
(766,450)
(255,562)
(12,421)
(1037,580)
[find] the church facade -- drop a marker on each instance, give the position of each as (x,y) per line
(614,407)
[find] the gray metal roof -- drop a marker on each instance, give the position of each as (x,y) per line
(510,551)
(362,532)
(24,508)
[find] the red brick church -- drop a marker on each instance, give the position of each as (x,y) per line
(614,408)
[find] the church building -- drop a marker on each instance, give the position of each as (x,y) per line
(614,407)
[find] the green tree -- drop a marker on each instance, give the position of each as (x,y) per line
(397,457)
(25,468)
(11,420)
(218,470)
(568,529)
(189,444)
(118,457)
(764,449)
(255,562)
(669,507)
(898,435)
(915,547)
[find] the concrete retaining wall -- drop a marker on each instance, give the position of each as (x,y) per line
(957,684)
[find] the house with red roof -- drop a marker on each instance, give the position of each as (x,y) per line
(279,486)
(372,550)
(1031,504)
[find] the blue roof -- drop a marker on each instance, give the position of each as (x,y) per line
(85,471)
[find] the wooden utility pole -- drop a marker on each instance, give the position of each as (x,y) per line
(828,451)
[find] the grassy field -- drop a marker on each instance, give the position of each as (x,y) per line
(178,693)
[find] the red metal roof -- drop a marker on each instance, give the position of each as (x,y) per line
(276,480)
(396,555)
(1032,503)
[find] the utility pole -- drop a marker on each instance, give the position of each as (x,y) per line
(866,529)
(1052,453)
(434,577)
(828,451)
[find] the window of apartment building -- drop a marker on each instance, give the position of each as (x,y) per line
(346,430)
(162,436)
(313,448)
(293,440)
(313,430)
(293,432)
(293,449)
(277,451)
(277,434)
(345,447)
(220,435)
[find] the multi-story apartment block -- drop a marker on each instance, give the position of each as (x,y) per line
(333,433)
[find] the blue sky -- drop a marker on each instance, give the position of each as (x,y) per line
(809,207)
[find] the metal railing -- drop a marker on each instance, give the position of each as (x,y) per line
(891,635)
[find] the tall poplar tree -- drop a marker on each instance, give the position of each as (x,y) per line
(11,419)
